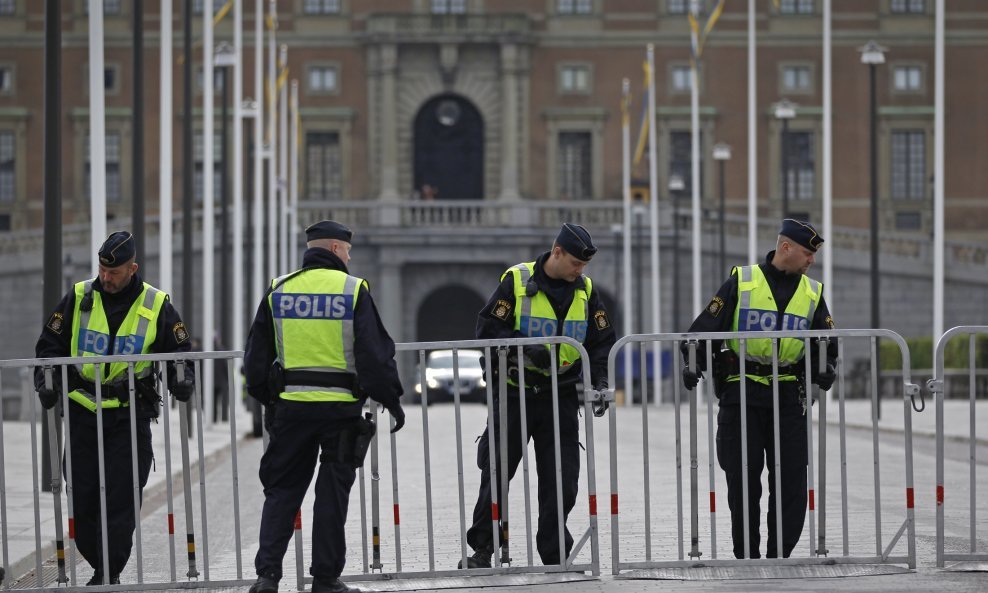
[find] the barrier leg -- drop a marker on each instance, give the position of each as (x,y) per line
(694,477)
(56,483)
(203,518)
(375,497)
(134,472)
(809,451)
(744,451)
(183,423)
(168,480)
(875,411)
(459,459)
(679,453)
(502,447)
(36,491)
(428,466)
(821,549)
(711,454)
(523,418)
(646,481)
(777,461)
(842,417)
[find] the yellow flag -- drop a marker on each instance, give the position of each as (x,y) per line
(227,6)
(643,128)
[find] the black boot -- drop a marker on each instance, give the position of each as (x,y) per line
(334,586)
(96,579)
(480,559)
(264,585)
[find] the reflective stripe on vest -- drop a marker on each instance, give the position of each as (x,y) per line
(758,311)
(313,326)
(535,317)
(91,337)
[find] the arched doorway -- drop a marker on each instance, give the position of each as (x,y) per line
(448,313)
(449,150)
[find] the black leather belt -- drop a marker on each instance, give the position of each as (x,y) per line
(321,379)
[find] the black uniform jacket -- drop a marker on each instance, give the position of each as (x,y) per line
(718,316)
(56,337)
(373,349)
(600,332)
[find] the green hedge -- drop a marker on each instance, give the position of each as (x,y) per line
(921,353)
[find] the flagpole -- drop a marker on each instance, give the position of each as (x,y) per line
(938,172)
(293,181)
(695,167)
(272,155)
(626,258)
(97,135)
(283,159)
(238,193)
(752,141)
(208,213)
(828,169)
(259,282)
(653,192)
(165,115)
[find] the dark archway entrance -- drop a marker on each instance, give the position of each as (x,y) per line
(449,150)
(448,313)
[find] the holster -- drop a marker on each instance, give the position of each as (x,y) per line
(276,381)
(355,441)
(726,363)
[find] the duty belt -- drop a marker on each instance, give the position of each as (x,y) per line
(321,379)
(765,370)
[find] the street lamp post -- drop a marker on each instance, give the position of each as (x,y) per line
(785,110)
(722,154)
(872,55)
(676,185)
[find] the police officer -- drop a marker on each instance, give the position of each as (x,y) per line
(548,297)
(114,313)
(316,350)
(775,295)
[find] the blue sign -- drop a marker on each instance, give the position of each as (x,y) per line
(312,306)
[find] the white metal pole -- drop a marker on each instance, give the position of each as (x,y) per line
(293,181)
(272,141)
(258,279)
(626,258)
(283,160)
(938,172)
(828,162)
(165,213)
(653,190)
(97,134)
(238,193)
(752,141)
(695,173)
(208,212)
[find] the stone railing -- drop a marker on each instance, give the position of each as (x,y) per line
(427,26)
(600,216)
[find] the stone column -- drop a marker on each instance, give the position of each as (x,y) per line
(388,115)
(510,123)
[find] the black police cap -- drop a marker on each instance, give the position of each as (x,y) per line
(118,249)
(802,233)
(576,241)
(328,229)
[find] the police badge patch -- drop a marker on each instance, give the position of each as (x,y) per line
(830,322)
(55,323)
(715,306)
(181,334)
(502,309)
(601,318)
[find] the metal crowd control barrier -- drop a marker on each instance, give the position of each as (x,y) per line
(937,386)
(815,548)
(147,577)
(424,505)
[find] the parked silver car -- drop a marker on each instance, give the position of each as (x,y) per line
(439,376)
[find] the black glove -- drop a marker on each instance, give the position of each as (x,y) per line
(826,379)
(48,397)
(691,378)
(182,390)
(398,414)
(537,356)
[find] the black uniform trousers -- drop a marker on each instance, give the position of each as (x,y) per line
(761,451)
(119,482)
(299,430)
(539,423)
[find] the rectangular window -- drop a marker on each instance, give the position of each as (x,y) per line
(908,165)
(6,79)
(7,6)
(575,169)
(683,6)
(8,161)
(796,7)
(574,6)
(197,147)
(907,78)
(321,7)
(574,78)
(114,182)
(449,6)
(908,6)
(109,7)
(801,165)
(323,166)
(217,79)
(908,221)
(198,4)
(323,79)
(682,79)
(681,159)
(4,222)
(796,78)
